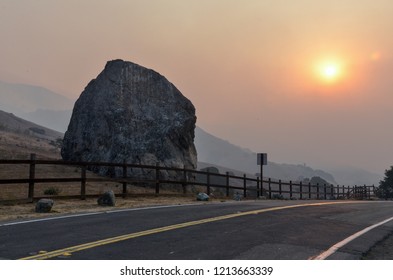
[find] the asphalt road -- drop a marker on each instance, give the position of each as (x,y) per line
(275,230)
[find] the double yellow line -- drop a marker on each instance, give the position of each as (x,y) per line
(81,247)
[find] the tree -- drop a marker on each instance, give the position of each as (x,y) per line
(385,189)
(318,180)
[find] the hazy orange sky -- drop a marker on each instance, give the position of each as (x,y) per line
(254,69)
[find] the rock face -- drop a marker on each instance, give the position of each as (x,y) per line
(133,114)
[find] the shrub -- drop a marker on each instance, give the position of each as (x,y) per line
(385,189)
(52,191)
(277,196)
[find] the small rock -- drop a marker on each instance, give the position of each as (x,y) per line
(44,205)
(237,197)
(107,199)
(202,197)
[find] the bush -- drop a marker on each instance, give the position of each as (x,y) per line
(277,196)
(385,189)
(52,191)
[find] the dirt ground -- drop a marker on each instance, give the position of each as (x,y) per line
(70,206)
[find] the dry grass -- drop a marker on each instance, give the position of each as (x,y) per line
(20,146)
(70,206)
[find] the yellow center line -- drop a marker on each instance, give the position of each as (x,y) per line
(69,250)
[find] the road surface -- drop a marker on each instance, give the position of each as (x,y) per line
(274,230)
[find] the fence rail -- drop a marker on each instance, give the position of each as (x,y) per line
(226,184)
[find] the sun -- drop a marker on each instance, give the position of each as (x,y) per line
(329,72)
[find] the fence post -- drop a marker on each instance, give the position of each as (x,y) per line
(301,189)
(157,178)
(309,190)
(124,177)
(290,189)
(258,189)
(279,187)
(83,182)
(208,182)
(260,186)
(364,192)
(324,192)
(367,190)
(227,183)
(317,190)
(270,188)
(31,177)
(184,184)
(244,185)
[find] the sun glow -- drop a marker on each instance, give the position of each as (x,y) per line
(329,72)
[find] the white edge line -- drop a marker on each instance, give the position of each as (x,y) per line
(101,212)
(97,213)
(150,207)
(340,244)
(92,213)
(50,218)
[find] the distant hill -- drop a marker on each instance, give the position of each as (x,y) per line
(19,138)
(51,110)
(214,150)
(356,176)
(211,151)
(21,98)
(11,123)
(36,104)
(57,120)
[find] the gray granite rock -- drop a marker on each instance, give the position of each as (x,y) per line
(44,205)
(107,199)
(237,196)
(133,114)
(202,197)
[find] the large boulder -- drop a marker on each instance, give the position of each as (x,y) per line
(133,114)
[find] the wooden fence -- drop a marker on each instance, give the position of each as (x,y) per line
(223,184)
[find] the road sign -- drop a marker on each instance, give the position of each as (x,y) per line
(262,159)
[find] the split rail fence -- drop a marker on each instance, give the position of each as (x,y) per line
(223,184)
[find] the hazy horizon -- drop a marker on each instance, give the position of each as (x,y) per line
(306,82)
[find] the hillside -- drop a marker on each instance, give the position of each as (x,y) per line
(219,152)
(36,104)
(52,110)
(57,120)
(19,138)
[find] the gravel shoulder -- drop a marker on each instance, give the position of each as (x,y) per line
(71,206)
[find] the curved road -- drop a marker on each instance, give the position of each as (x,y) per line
(232,230)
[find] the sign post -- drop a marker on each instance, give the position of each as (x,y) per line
(261,160)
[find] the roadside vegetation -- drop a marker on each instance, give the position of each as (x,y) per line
(385,189)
